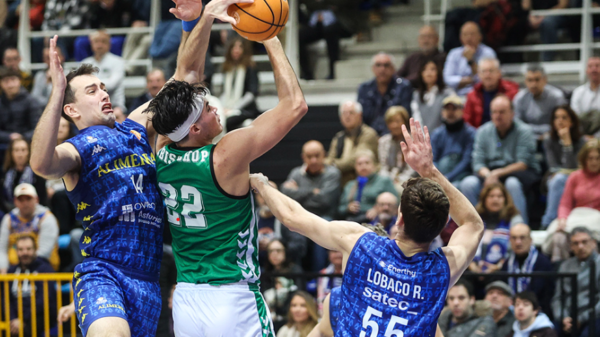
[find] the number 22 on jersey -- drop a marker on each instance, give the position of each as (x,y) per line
(391,327)
(192,206)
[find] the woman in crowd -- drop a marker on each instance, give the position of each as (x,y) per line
(16,171)
(561,147)
(579,205)
(359,196)
(240,84)
(278,290)
(431,90)
(391,158)
(302,316)
(499,213)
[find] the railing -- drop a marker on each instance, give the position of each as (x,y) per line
(25,34)
(560,277)
(57,280)
(585,46)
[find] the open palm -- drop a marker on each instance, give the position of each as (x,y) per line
(187,10)
(417,147)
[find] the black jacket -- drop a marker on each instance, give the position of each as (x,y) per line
(19,115)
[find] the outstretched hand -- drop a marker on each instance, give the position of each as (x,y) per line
(187,10)
(56,71)
(257,180)
(217,9)
(416,148)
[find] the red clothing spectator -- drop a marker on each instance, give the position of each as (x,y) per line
(581,190)
(474,108)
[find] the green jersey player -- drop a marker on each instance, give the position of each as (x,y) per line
(210,209)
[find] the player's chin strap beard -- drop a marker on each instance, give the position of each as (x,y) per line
(184,129)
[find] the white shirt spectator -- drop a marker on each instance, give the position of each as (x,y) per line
(585,99)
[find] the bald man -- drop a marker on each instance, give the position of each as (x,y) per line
(504,151)
(386,210)
(316,186)
(428,50)
(112,68)
(460,70)
(525,258)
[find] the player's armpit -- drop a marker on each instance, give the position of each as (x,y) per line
(461,249)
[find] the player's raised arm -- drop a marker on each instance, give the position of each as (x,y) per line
(333,235)
(463,243)
(47,159)
(242,146)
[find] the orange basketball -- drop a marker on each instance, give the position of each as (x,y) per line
(261,20)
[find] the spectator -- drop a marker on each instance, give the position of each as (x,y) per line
(355,136)
(530,320)
(390,154)
(498,212)
(548,26)
(499,294)
(330,20)
(240,84)
(386,210)
(30,263)
(525,258)
(11,59)
(20,111)
(561,147)
(136,45)
(585,250)
(326,283)
(535,104)
(17,171)
(42,83)
(580,202)
(270,228)
(460,320)
(428,50)
(316,187)
(155,80)
(302,316)
(112,69)
(452,143)
(431,90)
(585,100)
(65,15)
(165,43)
(383,92)
(477,108)
(358,199)
(460,70)
(504,151)
(28,218)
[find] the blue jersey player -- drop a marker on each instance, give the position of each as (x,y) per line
(394,287)
(110,177)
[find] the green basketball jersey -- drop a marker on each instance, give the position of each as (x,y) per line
(214,233)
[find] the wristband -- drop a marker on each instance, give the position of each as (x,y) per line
(188,26)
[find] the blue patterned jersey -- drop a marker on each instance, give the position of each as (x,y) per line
(385,293)
(117,198)
(335,297)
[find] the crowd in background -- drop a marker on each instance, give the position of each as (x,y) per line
(527,155)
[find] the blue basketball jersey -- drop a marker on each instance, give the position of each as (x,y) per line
(335,298)
(385,293)
(117,198)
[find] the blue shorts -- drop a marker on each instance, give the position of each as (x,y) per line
(105,290)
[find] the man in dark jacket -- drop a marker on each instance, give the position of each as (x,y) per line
(29,263)
(19,111)
(531,322)
(499,294)
(525,258)
(382,92)
(428,49)
(460,320)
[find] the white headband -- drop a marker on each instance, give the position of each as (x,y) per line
(179,133)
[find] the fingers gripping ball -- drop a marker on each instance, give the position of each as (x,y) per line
(261,20)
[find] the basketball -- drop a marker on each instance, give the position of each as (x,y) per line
(261,20)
